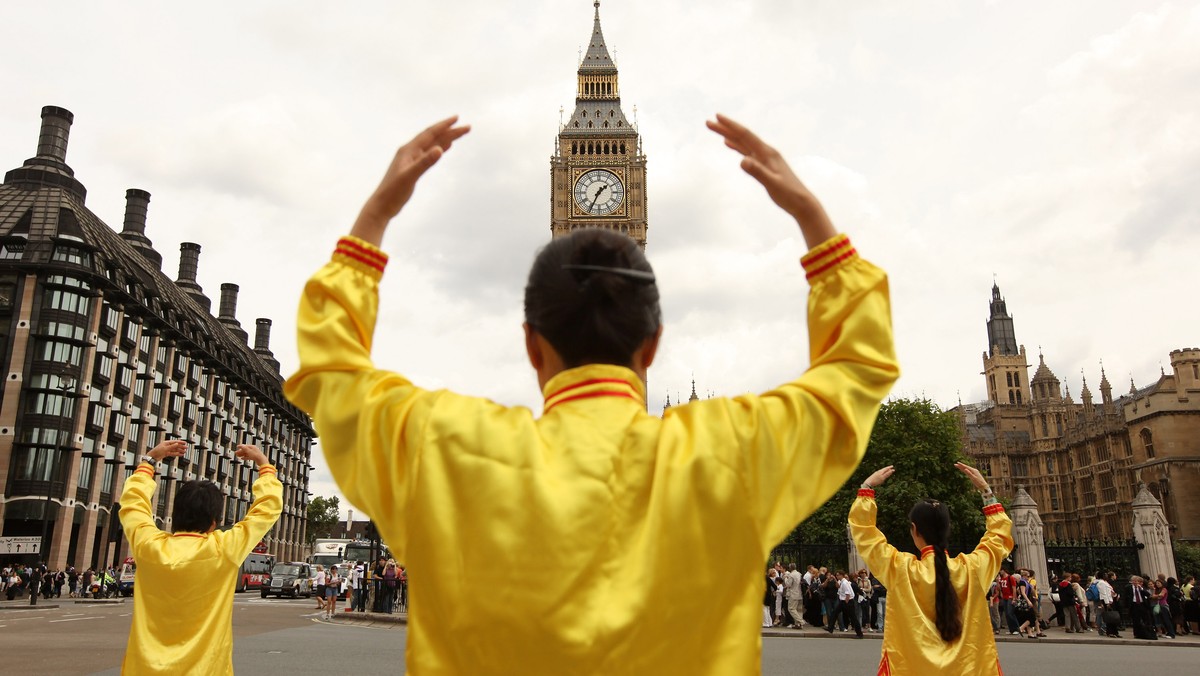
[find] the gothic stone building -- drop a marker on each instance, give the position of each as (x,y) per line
(1083,462)
(598,171)
(104,356)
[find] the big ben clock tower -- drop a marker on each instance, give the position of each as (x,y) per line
(598,171)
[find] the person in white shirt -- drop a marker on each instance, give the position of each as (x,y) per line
(845,604)
(319,583)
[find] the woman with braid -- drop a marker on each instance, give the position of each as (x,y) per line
(938,619)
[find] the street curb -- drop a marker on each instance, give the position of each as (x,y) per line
(101,602)
(372,618)
(1000,638)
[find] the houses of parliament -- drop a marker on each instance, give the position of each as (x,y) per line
(1084,461)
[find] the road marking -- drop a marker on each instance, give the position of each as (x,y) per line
(33,617)
(73,619)
(126,615)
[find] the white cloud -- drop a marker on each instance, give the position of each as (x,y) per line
(1054,148)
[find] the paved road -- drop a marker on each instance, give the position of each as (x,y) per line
(285,636)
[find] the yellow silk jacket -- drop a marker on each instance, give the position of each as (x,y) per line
(595,539)
(911,642)
(184,585)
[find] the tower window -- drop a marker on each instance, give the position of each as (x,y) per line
(589,125)
(606,127)
(622,145)
(610,88)
(612,113)
(1147,442)
(1017,379)
(1018,397)
(1011,398)
(1009,378)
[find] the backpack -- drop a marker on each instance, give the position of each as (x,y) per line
(1093,591)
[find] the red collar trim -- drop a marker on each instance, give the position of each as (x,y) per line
(928,549)
(189,535)
(555,398)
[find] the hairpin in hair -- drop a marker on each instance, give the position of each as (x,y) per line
(637,275)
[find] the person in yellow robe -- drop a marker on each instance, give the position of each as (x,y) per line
(937,620)
(554,544)
(185,580)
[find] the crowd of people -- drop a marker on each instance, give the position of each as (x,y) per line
(833,601)
(19,580)
(385,585)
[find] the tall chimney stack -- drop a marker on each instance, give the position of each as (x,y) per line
(229,294)
(262,335)
(136,204)
(189,262)
(56,129)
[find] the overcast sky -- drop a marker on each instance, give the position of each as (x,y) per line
(1053,147)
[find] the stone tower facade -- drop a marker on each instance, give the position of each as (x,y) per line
(1083,463)
(598,171)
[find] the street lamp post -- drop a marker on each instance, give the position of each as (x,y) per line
(66,384)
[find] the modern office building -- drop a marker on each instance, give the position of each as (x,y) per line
(105,355)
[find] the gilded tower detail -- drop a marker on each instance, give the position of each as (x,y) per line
(598,171)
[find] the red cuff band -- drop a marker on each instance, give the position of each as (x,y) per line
(993,509)
(866,493)
(827,256)
(267,468)
(362,253)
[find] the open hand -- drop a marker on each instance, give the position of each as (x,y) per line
(880,476)
(974,475)
(769,168)
(411,162)
(171,448)
(253,454)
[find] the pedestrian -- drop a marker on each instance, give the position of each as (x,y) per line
(389,586)
(793,584)
(1161,609)
(846,601)
(1023,602)
(722,479)
(320,583)
(939,605)
(1191,605)
(183,608)
(333,589)
(768,620)
(1006,602)
(1141,602)
(1068,596)
(993,599)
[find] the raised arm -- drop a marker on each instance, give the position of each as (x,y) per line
(137,514)
(800,442)
(239,541)
(882,558)
(997,541)
(368,419)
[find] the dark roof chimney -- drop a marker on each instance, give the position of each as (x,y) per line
(229,294)
(49,167)
(262,335)
(56,129)
(136,204)
(189,264)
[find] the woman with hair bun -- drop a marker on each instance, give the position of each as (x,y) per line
(937,621)
(552,543)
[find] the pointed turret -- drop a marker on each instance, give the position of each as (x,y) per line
(598,96)
(1045,383)
(694,396)
(1002,337)
(597,59)
(1132,387)
(1085,395)
(1105,387)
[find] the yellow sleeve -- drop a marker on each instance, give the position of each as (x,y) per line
(881,558)
(995,544)
(369,420)
(239,541)
(137,514)
(800,442)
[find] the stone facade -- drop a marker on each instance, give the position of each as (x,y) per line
(598,170)
(104,356)
(1083,462)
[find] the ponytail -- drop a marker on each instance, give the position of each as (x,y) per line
(949,622)
(932,520)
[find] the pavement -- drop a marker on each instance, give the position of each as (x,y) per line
(1053,634)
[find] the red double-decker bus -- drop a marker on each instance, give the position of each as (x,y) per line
(255,572)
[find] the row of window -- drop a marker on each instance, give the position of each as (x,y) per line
(597,148)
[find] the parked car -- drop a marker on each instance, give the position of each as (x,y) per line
(125,578)
(289,579)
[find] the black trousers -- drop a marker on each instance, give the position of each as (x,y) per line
(845,611)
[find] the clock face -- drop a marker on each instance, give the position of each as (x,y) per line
(599,192)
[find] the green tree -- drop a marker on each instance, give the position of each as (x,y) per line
(323,516)
(923,442)
(1187,560)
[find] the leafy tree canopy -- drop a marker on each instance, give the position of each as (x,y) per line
(923,442)
(323,516)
